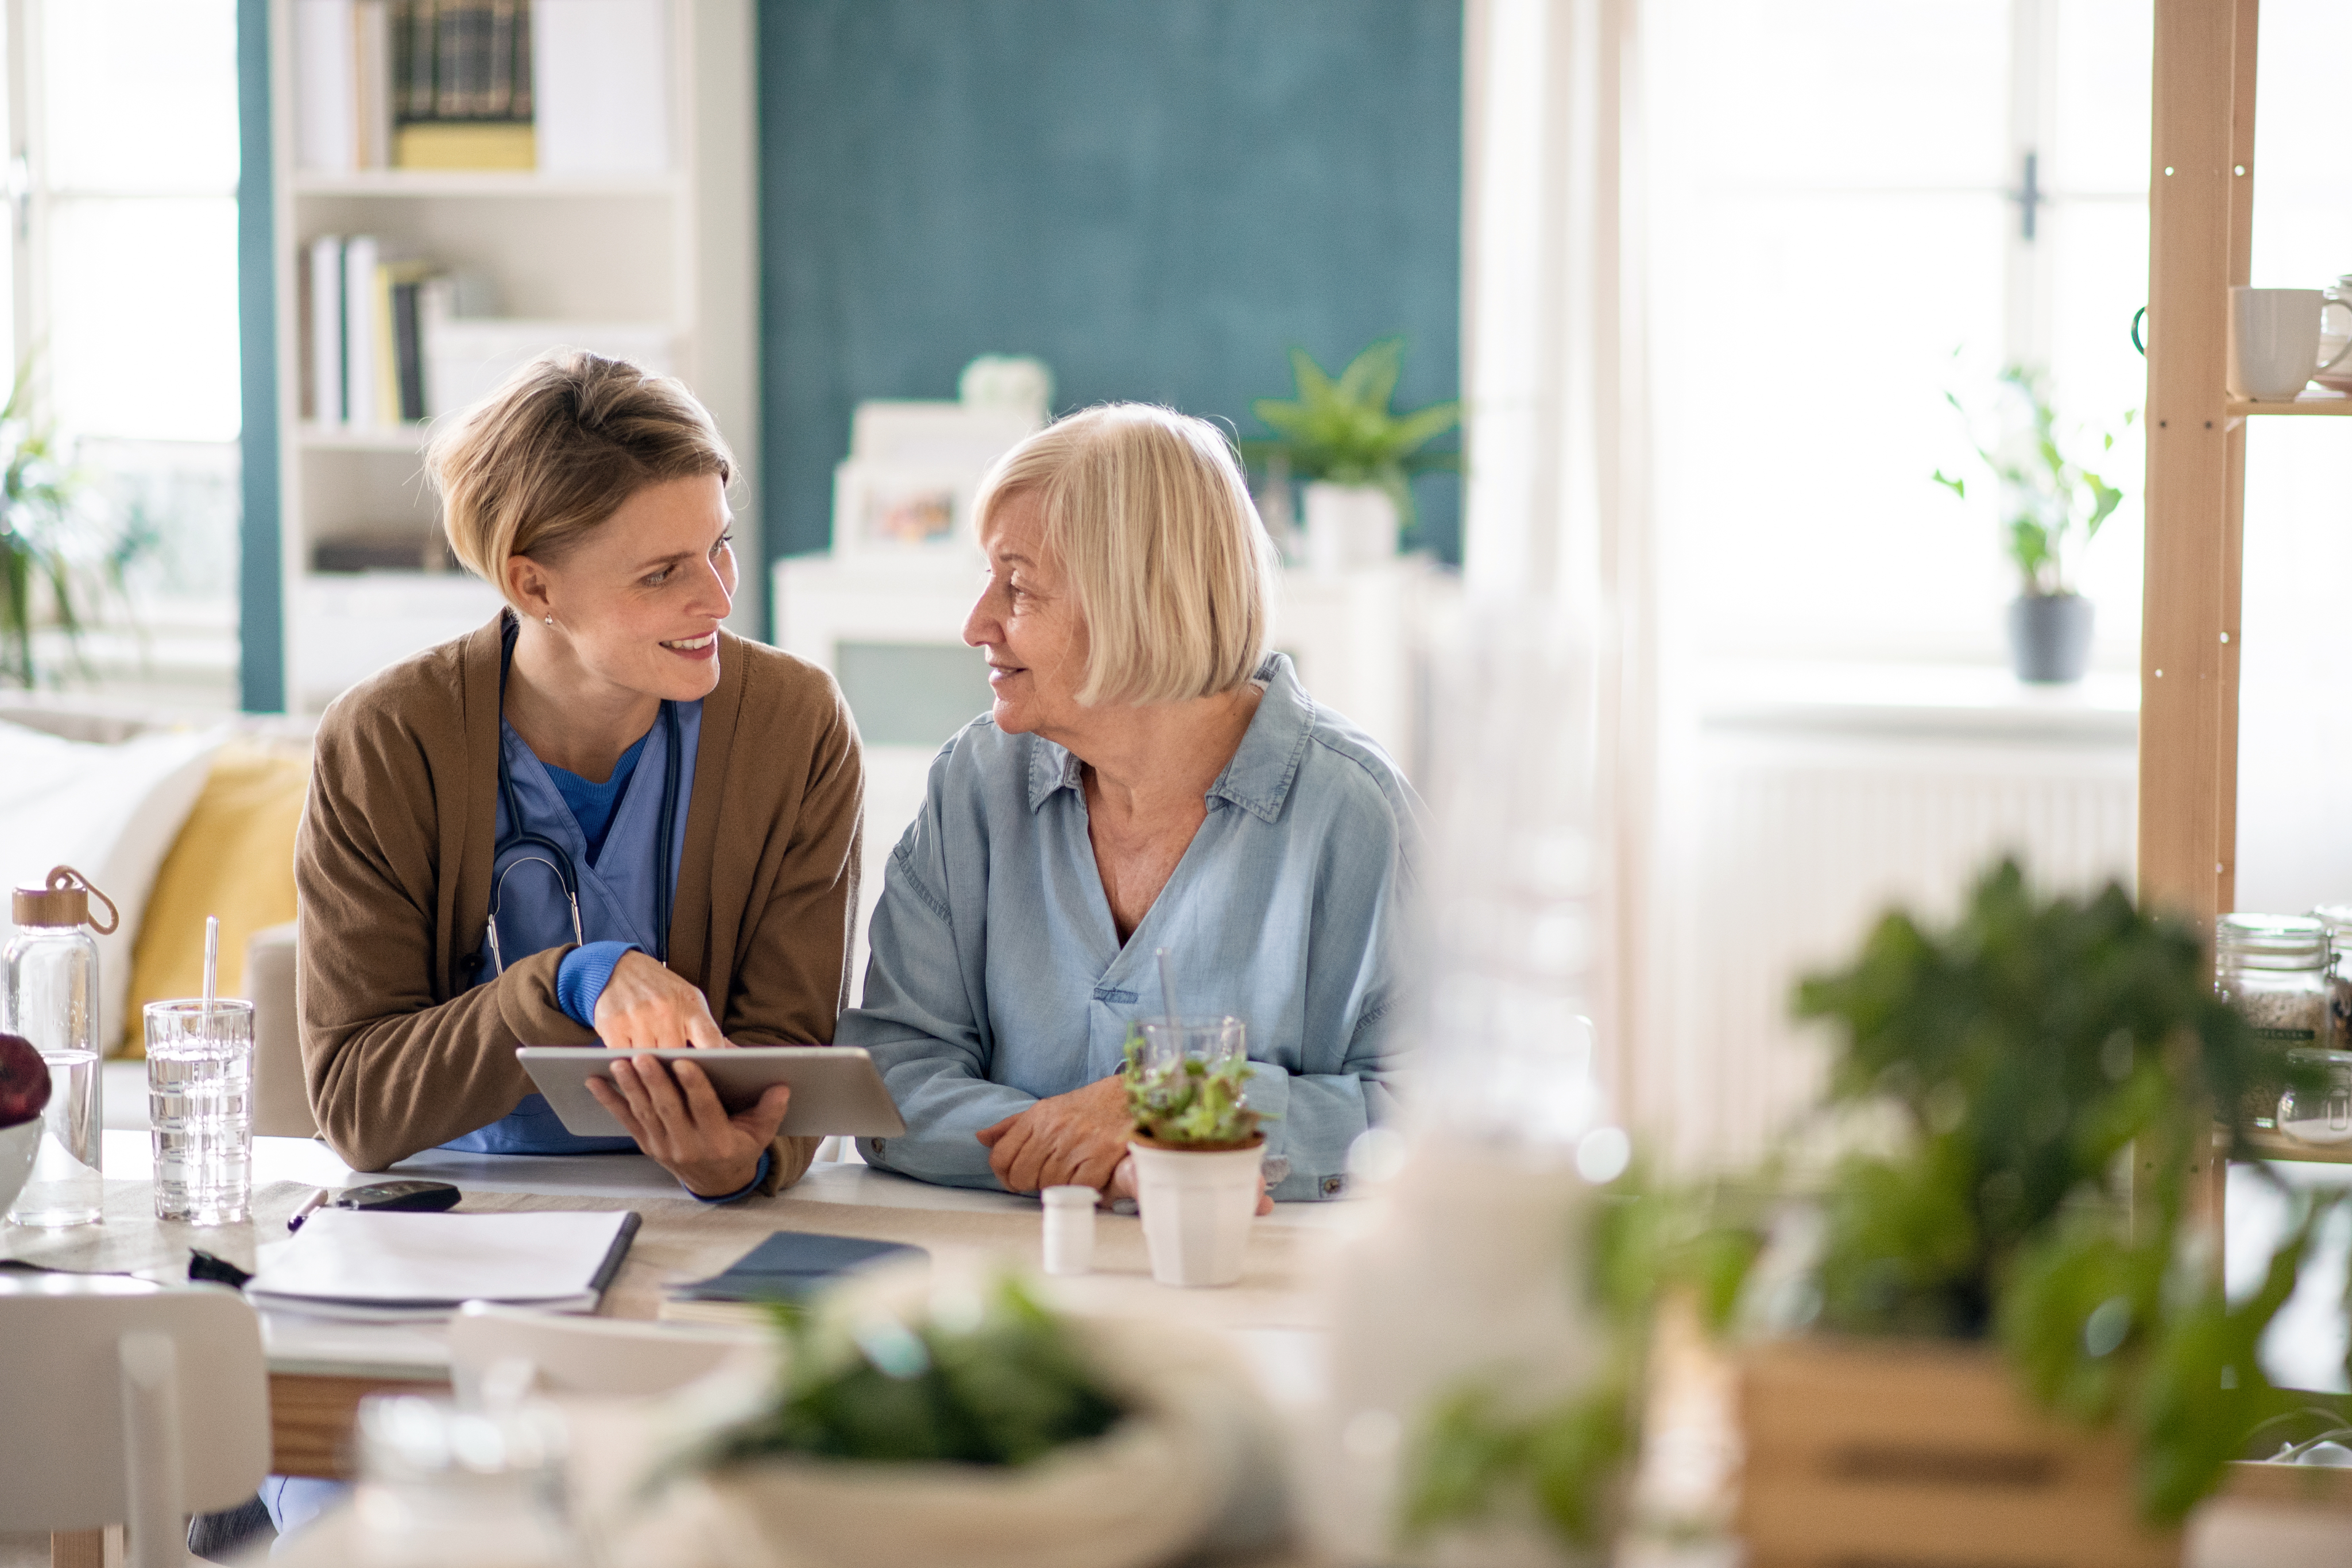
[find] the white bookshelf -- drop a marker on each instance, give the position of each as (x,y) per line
(674,248)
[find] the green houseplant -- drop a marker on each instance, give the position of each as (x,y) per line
(2053,505)
(1198,1152)
(2046,1072)
(42,542)
(2027,1100)
(1358,456)
(928,1415)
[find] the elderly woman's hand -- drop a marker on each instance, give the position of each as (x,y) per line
(645,1007)
(1071,1140)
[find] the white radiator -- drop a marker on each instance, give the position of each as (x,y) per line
(1795,842)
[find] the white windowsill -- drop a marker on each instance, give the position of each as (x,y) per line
(1923,701)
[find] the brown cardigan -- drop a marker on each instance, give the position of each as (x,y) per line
(401,1050)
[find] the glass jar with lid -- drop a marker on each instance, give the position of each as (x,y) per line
(2274,970)
(2338,918)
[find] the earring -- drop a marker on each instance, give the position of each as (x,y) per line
(551,619)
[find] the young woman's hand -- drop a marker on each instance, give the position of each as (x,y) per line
(673,1113)
(646,1007)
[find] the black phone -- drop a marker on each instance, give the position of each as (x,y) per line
(418,1196)
(392,1196)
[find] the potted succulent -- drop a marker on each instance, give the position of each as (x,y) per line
(2006,1292)
(1359,458)
(1197,1152)
(25,1088)
(2050,498)
(918,1415)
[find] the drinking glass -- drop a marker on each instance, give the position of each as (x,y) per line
(443,1486)
(1168,1043)
(200,1101)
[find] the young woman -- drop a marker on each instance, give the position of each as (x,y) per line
(601,817)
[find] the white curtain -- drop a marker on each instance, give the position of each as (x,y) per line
(1558,509)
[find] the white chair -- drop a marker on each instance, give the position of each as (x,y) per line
(127,1402)
(281,1099)
(609,1356)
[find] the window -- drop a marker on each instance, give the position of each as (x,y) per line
(1840,198)
(122,274)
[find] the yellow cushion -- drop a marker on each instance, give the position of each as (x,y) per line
(235,859)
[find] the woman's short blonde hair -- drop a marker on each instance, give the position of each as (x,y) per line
(536,466)
(1148,514)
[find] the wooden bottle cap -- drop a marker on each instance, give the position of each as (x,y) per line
(64,900)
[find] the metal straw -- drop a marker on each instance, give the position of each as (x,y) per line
(1167,984)
(212,963)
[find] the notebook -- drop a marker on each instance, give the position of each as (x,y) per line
(390,1267)
(791,1264)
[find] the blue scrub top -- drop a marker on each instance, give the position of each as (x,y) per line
(617,900)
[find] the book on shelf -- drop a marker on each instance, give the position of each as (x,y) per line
(389,342)
(570,86)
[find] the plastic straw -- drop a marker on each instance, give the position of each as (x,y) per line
(1167,984)
(211,961)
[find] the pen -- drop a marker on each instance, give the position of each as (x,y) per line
(316,1200)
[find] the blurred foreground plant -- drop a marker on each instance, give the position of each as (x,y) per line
(2055,1065)
(1006,1387)
(1643,1242)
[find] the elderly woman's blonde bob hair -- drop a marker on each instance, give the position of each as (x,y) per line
(536,466)
(1147,513)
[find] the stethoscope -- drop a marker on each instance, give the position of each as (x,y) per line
(558,858)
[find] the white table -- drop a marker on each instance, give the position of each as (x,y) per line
(321,1369)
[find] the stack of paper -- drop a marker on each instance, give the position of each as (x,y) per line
(379,1267)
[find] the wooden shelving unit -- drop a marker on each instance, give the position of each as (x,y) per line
(2201,218)
(2274,1146)
(2322,403)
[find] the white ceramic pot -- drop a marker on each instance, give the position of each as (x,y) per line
(1197,1208)
(1348,527)
(19,1144)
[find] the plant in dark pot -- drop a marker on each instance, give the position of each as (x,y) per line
(2052,508)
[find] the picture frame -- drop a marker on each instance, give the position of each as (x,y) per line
(903,512)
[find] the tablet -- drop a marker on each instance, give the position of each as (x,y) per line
(835,1089)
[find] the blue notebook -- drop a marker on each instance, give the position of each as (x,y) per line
(792,1265)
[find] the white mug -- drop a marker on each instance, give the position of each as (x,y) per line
(2274,341)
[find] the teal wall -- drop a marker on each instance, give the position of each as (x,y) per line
(261,617)
(1156,198)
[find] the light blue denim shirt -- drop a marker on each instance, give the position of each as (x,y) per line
(997,977)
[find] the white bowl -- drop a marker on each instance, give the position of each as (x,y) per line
(1142,1493)
(19,1144)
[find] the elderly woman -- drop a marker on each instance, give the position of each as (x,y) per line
(1148,777)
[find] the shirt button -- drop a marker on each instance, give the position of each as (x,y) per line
(1333,1185)
(877,1144)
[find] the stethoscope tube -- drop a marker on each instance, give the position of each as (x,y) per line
(558,858)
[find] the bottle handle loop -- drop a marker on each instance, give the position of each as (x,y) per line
(65,879)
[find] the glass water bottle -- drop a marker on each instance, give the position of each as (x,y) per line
(49,995)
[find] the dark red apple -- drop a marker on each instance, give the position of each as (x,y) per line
(23,1081)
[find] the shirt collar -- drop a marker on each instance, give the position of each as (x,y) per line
(1257,779)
